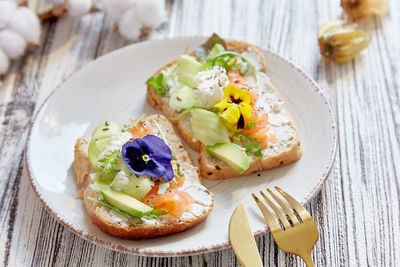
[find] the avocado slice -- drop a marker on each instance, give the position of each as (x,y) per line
(232,154)
(125,202)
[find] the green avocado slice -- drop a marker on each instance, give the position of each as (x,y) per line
(125,202)
(232,154)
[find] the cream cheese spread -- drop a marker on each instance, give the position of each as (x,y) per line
(210,86)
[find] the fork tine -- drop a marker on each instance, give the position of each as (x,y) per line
(269,218)
(284,206)
(282,217)
(303,213)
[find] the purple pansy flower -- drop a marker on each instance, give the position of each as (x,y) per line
(149,155)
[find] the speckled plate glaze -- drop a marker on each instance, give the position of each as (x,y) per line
(113,87)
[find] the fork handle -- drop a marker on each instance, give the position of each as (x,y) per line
(308,259)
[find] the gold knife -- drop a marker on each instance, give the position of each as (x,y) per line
(242,239)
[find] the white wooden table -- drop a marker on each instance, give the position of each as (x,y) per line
(357,211)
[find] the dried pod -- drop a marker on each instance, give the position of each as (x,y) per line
(360,8)
(341,42)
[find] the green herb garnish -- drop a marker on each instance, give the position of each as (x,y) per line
(250,125)
(151,215)
(178,166)
(104,203)
(136,124)
(250,144)
(110,161)
(127,127)
(159,83)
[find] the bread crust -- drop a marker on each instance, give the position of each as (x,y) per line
(101,215)
(221,170)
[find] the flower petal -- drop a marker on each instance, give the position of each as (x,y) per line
(246,110)
(222,105)
(155,169)
(245,96)
(158,149)
(157,152)
(229,91)
(133,157)
(169,173)
(231,115)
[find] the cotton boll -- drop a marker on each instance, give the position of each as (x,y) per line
(12,43)
(57,2)
(115,8)
(25,23)
(6,9)
(152,12)
(79,7)
(129,26)
(4,62)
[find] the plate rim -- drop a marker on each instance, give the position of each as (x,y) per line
(144,252)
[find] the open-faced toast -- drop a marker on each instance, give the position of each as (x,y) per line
(119,226)
(283,144)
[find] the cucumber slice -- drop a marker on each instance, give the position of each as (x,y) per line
(217,48)
(232,154)
(138,187)
(208,127)
(95,148)
(106,129)
(184,98)
(188,67)
(134,185)
(101,138)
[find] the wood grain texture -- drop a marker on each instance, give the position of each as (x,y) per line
(358,209)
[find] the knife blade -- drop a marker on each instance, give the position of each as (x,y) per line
(242,239)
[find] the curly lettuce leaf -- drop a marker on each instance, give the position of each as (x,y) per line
(159,82)
(251,145)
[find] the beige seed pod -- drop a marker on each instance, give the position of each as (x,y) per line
(361,8)
(340,41)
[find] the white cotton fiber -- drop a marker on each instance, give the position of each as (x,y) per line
(6,9)
(79,7)
(4,62)
(152,12)
(25,23)
(12,43)
(57,2)
(116,8)
(129,26)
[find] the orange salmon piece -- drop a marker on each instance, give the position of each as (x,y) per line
(173,201)
(143,129)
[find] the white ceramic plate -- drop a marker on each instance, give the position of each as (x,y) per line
(113,87)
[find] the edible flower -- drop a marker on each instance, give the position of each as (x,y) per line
(235,107)
(149,155)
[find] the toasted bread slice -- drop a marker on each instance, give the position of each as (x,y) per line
(284,151)
(107,221)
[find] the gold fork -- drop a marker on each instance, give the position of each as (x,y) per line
(291,234)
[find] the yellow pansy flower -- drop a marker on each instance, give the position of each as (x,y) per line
(235,107)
